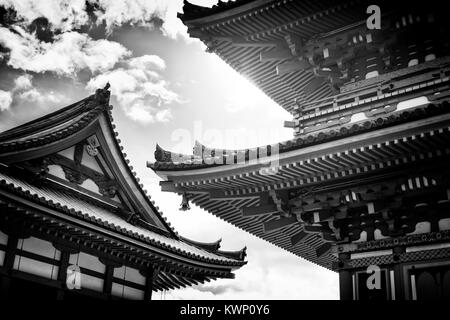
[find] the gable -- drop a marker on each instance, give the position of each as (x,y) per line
(81,153)
(76,165)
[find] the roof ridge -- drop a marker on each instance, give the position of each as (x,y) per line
(194,11)
(237,255)
(100,97)
(212,247)
(431,109)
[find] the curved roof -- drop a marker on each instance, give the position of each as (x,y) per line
(204,157)
(318,163)
(298,52)
(242,32)
(67,127)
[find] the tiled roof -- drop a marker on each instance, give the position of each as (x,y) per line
(164,159)
(65,122)
(68,121)
(71,205)
(192,11)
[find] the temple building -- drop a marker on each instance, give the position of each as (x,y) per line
(363,187)
(75,223)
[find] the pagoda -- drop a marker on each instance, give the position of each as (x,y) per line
(363,187)
(75,223)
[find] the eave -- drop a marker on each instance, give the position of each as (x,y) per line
(384,149)
(352,136)
(124,233)
(42,198)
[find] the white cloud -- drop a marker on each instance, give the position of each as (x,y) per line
(174,27)
(42,98)
(138,12)
(23,82)
(139,89)
(147,61)
(68,54)
(5,100)
(68,15)
(142,12)
(63,15)
(24,90)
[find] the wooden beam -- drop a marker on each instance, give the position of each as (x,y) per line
(292,66)
(295,44)
(322,215)
(278,224)
(277,54)
(316,228)
(290,124)
(220,195)
(323,249)
(78,153)
(241,42)
(259,210)
(299,237)
(313,85)
(168,186)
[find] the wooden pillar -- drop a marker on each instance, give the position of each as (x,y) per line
(151,275)
(345,285)
(107,285)
(62,274)
(8,263)
(110,264)
(399,280)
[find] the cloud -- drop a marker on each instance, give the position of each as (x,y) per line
(69,53)
(218,289)
(24,91)
(63,15)
(137,12)
(147,61)
(139,89)
(42,98)
(144,12)
(23,82)
(5,100)
(174,27)
(67,15)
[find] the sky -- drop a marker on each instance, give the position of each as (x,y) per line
(166,89)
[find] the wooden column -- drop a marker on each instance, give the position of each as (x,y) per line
(345,285)
(151,275)
(399,280)
(107,285)
(110,264)
(8,263)
(62,274)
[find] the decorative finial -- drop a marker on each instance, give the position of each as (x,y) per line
(102,95)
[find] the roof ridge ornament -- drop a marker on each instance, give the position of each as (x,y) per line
(212,247)
(238,255)
(102,95)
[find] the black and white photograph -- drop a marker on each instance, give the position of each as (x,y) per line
(253,151)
